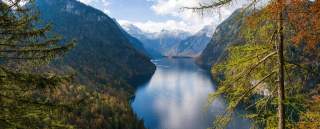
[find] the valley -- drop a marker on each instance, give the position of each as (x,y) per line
(159,64)
(169,101)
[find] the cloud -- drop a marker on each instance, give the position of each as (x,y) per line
(152,26)
(176,7)
(183,19)
(102,5)
(194,21)
(171,25)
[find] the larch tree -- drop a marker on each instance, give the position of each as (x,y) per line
(263,71)
(25,43)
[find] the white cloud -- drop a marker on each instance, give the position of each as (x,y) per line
(151,26)
(192,21)
(175,7)
(185,19)
(102,5)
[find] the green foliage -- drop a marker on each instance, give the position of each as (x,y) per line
(250,76)
(94,110)
(311,118)
(21,41)
(21,109)
(23,45)
(29,100)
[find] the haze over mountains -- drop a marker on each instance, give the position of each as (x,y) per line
(193,45)
(172,43)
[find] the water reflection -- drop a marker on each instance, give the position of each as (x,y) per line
(176,96)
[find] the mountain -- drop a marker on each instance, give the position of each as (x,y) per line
(227,33)
(150,45)
(194,45)
(137,43)
(169,39)
(104,53)
(160,42)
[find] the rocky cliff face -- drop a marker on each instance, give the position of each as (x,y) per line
(227,33)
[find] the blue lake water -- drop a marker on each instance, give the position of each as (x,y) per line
(176,97)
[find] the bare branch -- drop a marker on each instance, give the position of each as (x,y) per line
(261,61)
(253,87)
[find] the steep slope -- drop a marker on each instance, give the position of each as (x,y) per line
(194,45)
(103,53)
(227,33)
(161,42)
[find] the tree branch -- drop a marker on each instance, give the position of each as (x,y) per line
(253,87)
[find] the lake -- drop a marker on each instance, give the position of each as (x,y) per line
(176,97)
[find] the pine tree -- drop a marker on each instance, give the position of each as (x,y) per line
(22,38)
(25,43)
(264,62)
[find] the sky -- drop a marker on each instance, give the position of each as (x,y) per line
(156,15)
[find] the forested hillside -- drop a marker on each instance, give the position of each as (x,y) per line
(65,64)
(266,63)
(86,85)
(103,52)
(227,33)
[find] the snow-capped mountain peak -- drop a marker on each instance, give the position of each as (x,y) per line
(132,29)
(208,30)
(173,42)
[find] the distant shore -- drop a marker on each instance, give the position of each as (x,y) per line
(177,57)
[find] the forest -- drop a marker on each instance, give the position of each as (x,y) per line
(56,73)
(272,71)
(36,95)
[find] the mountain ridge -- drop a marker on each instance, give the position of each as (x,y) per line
(175,43)
(193,45)
(227,33)
(103,53)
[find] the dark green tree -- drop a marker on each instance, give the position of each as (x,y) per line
(24,44)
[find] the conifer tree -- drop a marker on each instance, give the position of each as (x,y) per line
(265,62)
(25,43)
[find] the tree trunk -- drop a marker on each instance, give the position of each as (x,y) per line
(281,94)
